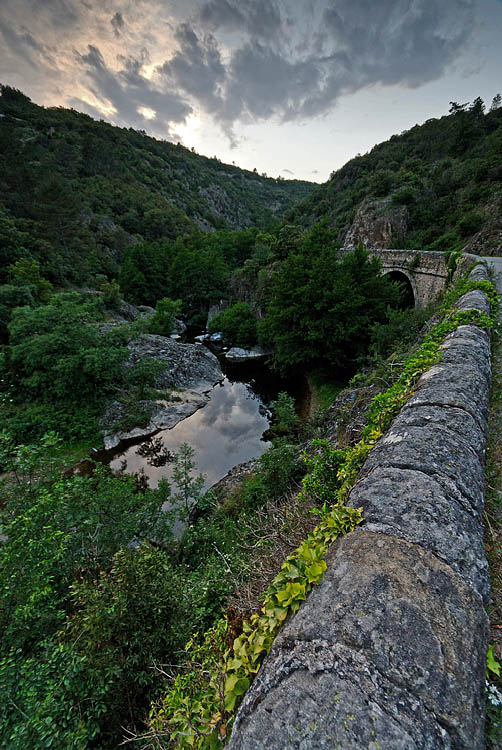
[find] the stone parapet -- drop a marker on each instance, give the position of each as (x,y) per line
(389,651)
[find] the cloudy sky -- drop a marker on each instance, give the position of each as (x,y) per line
(291,87)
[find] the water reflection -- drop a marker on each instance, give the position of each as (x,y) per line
(225,432)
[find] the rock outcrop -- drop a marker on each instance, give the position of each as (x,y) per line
(237,355)
(377,223)
(192,370)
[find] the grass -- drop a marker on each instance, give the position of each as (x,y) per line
(324,391)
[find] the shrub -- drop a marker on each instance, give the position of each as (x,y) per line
(237,325)
(166,311)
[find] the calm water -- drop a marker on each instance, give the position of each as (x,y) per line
(225,432)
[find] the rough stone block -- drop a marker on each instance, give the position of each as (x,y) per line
(388,652)
(414,506)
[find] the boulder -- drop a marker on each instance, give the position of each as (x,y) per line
(377,223)
(193,370)
(236,354)
(189,366)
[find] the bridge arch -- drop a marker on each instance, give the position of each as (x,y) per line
(408,283)
(426,271)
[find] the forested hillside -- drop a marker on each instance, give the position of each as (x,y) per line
(74,193)
(435,186)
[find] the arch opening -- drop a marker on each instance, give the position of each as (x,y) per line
(406,288)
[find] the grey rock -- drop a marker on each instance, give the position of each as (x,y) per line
(434,448)
(164,415)
(422,509)
(236,354)
(377,223)
(146,311)
(128,311)
(193,370)
(388,652)
(189,366)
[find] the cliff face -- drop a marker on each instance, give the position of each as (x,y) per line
(389,651)
(377,224)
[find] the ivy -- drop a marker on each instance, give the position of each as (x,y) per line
(199,708)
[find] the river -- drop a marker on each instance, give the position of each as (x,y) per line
(227,431)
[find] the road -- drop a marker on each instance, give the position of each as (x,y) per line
(496,264)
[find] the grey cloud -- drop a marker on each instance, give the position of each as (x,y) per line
(60,13)
(262,82)
(197,68)
(117,22)
(402,41)
(354,44)
(22,44)
(128,89)
(258,18)
(288,171)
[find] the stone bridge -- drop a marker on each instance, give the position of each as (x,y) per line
(423,273)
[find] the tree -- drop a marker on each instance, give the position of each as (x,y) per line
(189,487)
(477,107)
(496,102)
(57,352)
(456,108)
(26,272)
(321,309)
(166,312)
(237,325)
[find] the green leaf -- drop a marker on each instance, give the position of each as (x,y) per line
(492,665)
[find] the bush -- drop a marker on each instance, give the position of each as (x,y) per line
(237,325)
(166,311)
(285,418)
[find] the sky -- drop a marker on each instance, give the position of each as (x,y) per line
(293,88)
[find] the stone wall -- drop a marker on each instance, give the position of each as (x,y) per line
(426,271)
(389,651)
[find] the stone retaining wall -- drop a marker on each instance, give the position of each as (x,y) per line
(389,651)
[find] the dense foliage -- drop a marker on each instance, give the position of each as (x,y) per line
(443,176)
(95,590)
(320,308)
(237,325)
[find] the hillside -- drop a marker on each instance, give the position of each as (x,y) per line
(437,186)
(75,192)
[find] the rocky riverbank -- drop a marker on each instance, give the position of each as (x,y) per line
(192,371)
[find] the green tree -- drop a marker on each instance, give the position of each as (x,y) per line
(57,352)
(26,272)
(166,312)
(321,309)
(237,324)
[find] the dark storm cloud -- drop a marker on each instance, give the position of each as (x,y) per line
(287,59)
(324,51)
(60,13)
(128,90)
(117,22)
(263,82)
(23,44)
(21,50)
(196,68)
(258,18)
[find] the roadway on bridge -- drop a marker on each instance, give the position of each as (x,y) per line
(496,265)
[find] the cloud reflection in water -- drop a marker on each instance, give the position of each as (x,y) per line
(225,432)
